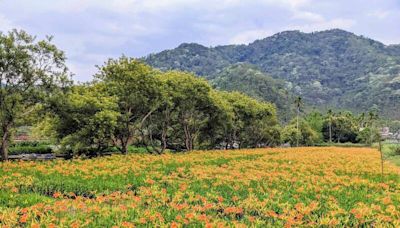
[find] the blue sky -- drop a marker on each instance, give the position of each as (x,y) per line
(91,31)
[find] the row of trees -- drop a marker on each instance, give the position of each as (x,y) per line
(335,127)
(127,103)
(131,103)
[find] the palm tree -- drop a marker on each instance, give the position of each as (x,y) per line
(362,119)
(299,103)
(371,117)
(330,115)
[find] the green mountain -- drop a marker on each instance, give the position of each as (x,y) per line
(332,68)
(250,80)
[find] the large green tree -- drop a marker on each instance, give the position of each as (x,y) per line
(216,132)
(254,123)
(138,95)
(316,121)
(30,72)
(341,127)
(299,133)
(85,119)
(188,107)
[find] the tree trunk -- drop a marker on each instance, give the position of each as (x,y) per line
(380,150)
(124,146)
(192,140)
(330,132)
(298,132)
(164,139)
(187,137)
(371,138)
(164,132)
(4,143)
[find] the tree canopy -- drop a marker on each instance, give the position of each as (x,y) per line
(31,72)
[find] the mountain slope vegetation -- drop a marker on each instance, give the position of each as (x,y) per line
(332,68)
(248,79)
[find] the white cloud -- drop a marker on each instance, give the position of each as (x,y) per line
(116,6)
(5,24)
(296,3)
(245,37)
(341,23)
(153,6)
(380,14)
(308,16)
(384,14)
(82,72)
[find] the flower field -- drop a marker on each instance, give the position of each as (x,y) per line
(261,187)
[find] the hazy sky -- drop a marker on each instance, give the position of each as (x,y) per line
(90,31)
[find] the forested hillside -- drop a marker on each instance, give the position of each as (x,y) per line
(331,68)
(247,78)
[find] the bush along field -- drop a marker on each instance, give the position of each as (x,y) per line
(261,187)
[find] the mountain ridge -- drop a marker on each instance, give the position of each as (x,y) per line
(332,68)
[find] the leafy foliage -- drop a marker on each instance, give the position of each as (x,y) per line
(344,128)
(137,94)
(316,121)
(31,72)
(304,135)
(254,123)
(187,109)
(85,119)
(130,103)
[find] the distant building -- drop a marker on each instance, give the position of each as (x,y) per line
(386,134)
(396,136)
(23,134)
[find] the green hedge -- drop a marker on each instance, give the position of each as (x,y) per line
(16,150)
(342,144)
(396,150)
(30,144)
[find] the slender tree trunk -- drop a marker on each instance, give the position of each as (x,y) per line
(380,150)
(371,138)
(191,143)
(298,132)
(4,143)
(124,148)
(123,144)
(164,139)
(187,137)
(330,132)
(164,131)
(4,150)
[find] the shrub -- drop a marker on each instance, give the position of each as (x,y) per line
(30,144)
(306,136)
(16,150)
(349,144)
(396,150)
